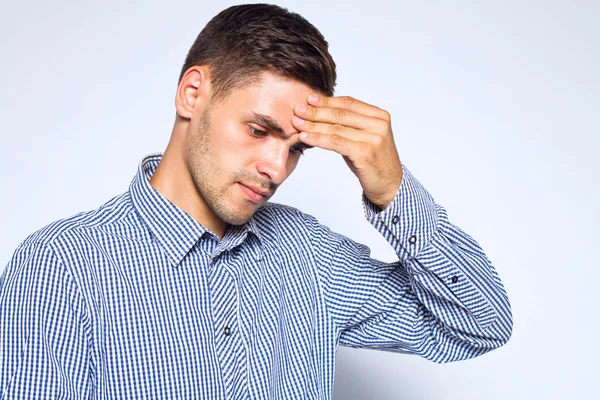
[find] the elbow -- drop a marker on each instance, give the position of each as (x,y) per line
(502,329)
(498,331)
(507,328)
(495,335)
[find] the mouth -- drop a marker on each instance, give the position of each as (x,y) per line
(254,194)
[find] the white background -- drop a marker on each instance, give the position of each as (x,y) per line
(495,108)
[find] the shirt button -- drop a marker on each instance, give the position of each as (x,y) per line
(454,279)
(395,219)
(227,331)
(412,239)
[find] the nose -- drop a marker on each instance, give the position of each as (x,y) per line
(272,163)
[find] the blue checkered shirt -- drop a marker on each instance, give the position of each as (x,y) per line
(137,300)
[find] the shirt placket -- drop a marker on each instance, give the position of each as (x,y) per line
(228,343)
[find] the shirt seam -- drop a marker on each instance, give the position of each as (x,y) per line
(69,274)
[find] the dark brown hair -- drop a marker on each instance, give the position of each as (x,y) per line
(243,41)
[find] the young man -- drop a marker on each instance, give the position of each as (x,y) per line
(190,285)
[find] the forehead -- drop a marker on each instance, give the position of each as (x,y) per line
(273,96)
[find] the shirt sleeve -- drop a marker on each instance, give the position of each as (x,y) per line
(442,299)
(43,340)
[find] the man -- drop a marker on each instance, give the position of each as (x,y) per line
(190,285)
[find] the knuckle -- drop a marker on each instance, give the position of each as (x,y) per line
(314,112)
(382,126)
(368,153)
(386,116)
(377,140)
(371,153)
(348,101)
(338,140)
(336,128)
(338,113)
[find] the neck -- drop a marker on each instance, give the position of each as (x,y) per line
(173,180)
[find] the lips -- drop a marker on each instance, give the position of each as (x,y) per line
(253,193)
(258,191)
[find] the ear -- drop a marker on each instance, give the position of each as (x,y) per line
(193,92)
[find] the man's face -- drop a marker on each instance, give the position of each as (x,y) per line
(244,147)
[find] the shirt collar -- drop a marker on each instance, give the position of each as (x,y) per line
(175,231)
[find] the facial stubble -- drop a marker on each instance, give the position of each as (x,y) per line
(213,183)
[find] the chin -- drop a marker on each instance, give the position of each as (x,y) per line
(238,218)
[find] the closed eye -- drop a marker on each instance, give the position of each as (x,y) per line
(299,149)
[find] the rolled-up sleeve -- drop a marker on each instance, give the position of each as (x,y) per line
(442,299)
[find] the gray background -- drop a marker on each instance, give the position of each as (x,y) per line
(495,109)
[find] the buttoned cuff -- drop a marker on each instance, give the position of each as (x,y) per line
(409,222)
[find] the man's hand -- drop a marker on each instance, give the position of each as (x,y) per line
(361,133)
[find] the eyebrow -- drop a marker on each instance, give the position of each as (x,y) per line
(267,122)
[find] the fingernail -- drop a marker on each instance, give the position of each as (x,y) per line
(303,135)
(313,98)
(298,120)
(302,108)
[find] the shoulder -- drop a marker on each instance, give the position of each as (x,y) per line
(77,225)
(272,215)
(47,254)
(285,221)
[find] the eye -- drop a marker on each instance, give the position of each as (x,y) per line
(256,132)
(298,150)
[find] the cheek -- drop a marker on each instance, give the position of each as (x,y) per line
(292,163)
(224,136)
(233,145)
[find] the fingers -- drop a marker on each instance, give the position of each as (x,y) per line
(345,111)
(361,133)
(328,129)
(328,115)
(339,138)
(342,124)
(340,144)
(350,104)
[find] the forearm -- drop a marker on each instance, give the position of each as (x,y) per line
(450,274)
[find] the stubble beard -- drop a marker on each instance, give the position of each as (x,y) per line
(206,171)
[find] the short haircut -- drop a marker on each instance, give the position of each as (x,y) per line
(242,42)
